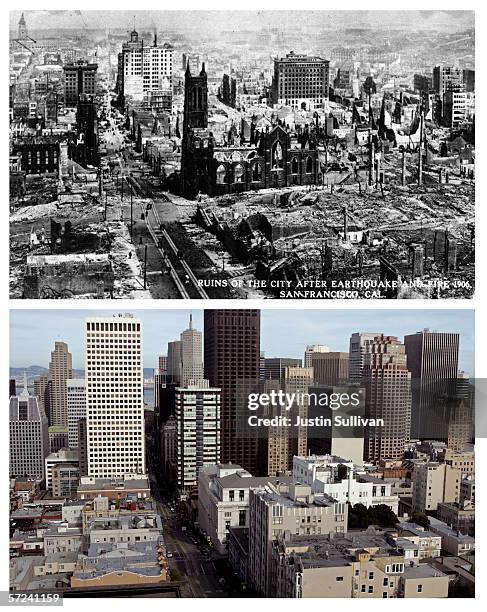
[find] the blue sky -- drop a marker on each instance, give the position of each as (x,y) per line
(285,333)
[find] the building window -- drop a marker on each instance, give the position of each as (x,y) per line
(239,173)
(277,156)
(221,175)
(420,588)
(257,172)
(309,165)
(294,166)
(339,578)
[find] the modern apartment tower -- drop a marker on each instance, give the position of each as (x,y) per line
(29,437)
(60,369)
(432,358)
(114,396)
(232,363)
(197,414)
(387,383)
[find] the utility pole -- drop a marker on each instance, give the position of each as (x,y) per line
(131,214)
(145,267)
(420,158)
(403,171)
(371,161)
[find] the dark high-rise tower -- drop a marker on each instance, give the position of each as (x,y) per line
(232,360)
(432,358)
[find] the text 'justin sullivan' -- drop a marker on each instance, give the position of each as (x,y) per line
(320,421)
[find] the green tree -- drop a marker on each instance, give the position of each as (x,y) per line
(357,517)
(420,519)
(384,516)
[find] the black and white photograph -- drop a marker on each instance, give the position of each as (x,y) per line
(265,154)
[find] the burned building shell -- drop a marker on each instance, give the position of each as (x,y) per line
(271,159)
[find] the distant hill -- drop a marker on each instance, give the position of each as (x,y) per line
(34,371)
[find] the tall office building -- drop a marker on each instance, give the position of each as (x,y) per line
(76,402)
(297,381)
(197,414)
(43,391)
(330,368)
(114,396)
(447,78)
(162,362)
(79,78)
(300,81)
(310,350)
(12,388)
(174,366)
(142,67)
(432,358)
(358,348)
(273,367)
(387,382)
(160,381)
(232,364)
(60,369)
(29,437)
(191,355)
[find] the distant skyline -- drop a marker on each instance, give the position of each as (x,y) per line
(220,19)
(284,333)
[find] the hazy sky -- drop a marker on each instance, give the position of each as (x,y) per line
(285,333)
(441,20)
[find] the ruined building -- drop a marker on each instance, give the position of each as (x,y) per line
(271,159)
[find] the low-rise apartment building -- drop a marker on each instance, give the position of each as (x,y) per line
(337,478)
(223,499)
(278,508)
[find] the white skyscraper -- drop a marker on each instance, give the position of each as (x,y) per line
(114,396)
(313,348)
(145,67)
(191,355)
(76,399)
(29,438)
